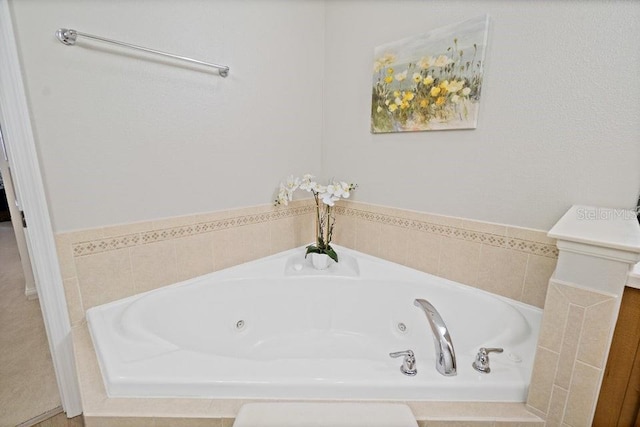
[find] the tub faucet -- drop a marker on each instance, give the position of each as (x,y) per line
(445,355)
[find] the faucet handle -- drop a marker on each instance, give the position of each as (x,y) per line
(481,364)
(408,364)
(402,353)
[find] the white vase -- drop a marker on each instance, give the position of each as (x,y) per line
(320,261)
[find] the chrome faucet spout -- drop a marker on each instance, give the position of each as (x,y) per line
(445,355)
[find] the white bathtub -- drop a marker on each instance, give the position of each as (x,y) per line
(276,328)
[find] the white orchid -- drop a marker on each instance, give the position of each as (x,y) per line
(307,184)
(329,199)
(292,183)
(325,197)
(283,196)
(345,190)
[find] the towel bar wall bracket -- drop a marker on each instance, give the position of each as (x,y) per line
(69,37)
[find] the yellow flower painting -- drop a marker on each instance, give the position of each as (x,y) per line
(430,81)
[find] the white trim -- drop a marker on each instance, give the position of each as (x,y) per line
(612,254)
(31,294)
(30,189)
(42,417)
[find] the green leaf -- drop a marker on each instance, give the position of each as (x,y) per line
(313,249)
(331,253)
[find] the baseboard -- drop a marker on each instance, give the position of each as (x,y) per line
(31,294)
(44,416)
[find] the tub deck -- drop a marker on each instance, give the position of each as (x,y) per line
(430,395)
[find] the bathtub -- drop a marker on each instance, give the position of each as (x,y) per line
(277,328)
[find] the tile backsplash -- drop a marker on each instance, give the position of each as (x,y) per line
(105,264)
(509,261)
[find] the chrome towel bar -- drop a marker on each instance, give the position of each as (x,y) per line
(69,37)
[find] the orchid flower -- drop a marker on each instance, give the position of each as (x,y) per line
(325,197)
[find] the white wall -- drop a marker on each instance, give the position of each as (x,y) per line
(559,118)
(125,137)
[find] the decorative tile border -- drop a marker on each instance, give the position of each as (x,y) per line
(112,243)
(526,246)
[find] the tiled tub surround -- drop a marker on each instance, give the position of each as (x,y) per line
(510,261)
(106,264)
(571,354)
(581,309)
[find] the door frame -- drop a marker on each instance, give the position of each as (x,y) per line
(23,160)
(16,223)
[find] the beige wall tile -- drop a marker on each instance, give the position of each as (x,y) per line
(596,333)
(304,230)
(434,410)
(368,237)
(92,388)
(448,221)
(85,235)
(154,265)
(255,239)
(258,209)
(283,236)
(544,368)
(393,243)
(74,301)
(344,232)
(104,277)
(194,256)
(536,279)
(569,347)
(501,271)
(227,422)
(530,234)
(557,406)
(172,222)
(484,227)
(459,260)
(536,412)
(581,297)
(227,249)
(423,251)
(211,216)
(126,229)
(389,211)
(156,407)
(582,395)
(554,318)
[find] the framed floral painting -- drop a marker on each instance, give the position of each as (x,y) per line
(430,81)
